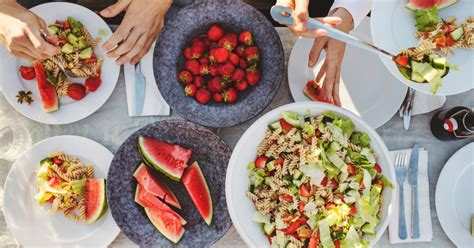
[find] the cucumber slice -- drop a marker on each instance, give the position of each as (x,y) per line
(406,72)
(52,29)
(297,175)
(268,228)
(445,72)
(275,125)
(298,136)
(268,180)
(86,53)
(67,48)
(415,76)
(439,63)
(292,118)
(457,33)
(270,165)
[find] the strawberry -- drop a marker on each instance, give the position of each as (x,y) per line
(215,85)
(217,97)
(243,63)
(187,53)
(52,39)
(62,41)
(234,58)
(197,49)
(218,55)
(213,70)
(185,77)
(230,95)
(252,54)
(253,75)
(226,69)
(198,81)
(229,42)
(93,83)
(232,37)
(204,60)
(215,32)
(203,96)
(66,25)
(241,85)
(203,69)
(27,72)
(76,91)
(213,45)
(240,50)
(238,75)
(246,38)
(190,90)
(192,66)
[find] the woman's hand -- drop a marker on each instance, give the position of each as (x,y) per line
(331,69)
(20,32)
(140,27)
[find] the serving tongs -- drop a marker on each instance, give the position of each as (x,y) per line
(67,72)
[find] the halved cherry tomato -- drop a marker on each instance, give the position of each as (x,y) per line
(353,210)
(351,169)
(304,191)
(301,206)
(337,243)
(287,198)
(53,182)
(377,168)
(313,242)
(261,161)
(285,125)
(304,233)
(402,60)
(279,161)
(57,161)
(334,184)
(330,205)
(324,182)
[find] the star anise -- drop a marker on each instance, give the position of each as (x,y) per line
(24,96)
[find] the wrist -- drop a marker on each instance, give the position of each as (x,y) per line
(347,23)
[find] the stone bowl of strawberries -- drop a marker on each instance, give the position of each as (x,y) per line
(219,63)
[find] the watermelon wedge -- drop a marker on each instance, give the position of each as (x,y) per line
(196,185)
(428,4)
(169,159)
(147,200)
(48,95)
(146,179)
(166,223)
(95,199)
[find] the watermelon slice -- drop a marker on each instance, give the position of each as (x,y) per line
(146,179)
(169,159)
(166,223)
(95,199)
(428,4)
(147,200)
(196,184)
(47,91)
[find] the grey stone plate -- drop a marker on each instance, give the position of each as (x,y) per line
(211,153)
(194,20)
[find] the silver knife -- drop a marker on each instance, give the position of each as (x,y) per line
(403,106)
(413,181)
(140,87)
(408,110)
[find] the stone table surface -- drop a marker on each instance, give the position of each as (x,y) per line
(111,125)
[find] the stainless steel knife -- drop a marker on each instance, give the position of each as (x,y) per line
(408,110)
(413,181)
(140,87)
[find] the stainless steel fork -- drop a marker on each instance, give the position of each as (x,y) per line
(401,164)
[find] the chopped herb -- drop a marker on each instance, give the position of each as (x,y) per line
(24,96)
(103,32)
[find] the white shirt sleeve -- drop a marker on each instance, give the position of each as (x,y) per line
(358,8)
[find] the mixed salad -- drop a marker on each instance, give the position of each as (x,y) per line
(316,183)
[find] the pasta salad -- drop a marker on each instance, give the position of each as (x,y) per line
(316,183)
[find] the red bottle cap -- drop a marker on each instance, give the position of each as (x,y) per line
(450,125)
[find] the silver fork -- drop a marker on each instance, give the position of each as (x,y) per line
(401,164)
(66,71)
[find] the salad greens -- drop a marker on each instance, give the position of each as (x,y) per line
(426,19)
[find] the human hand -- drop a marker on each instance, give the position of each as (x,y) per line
(140,27)
(331,69)
(20,33)
(301,16)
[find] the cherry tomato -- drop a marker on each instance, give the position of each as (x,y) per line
(318,133)
(287,198)
(330,205)
(292,228)
(261,161)
(279,161)
(285,125)
(351,169)
(334,184)
(324,182)
(57,161)
(304,191)
(301,206)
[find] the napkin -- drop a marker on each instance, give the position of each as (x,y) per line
(424,103)
(426,229)
(154,103)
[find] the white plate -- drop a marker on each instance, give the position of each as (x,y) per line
(69,110)
(455,196)
(30,224)
(367,88)
(241,208)
(393,28)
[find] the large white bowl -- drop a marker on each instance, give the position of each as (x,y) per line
(242,208)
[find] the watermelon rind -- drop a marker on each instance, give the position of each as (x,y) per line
(175,238)
(149,161)
(208,219)
(102,202)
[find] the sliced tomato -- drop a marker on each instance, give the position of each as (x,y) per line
(402,60)
(53,182)
(261,162)
(285,125)
(313,242)
(279,161)
(351,169)
(324,182)
(353,210)
(337,243)
(304,233)
(287,198)
(304,191)
(301,206)
(377,168)
(292,228)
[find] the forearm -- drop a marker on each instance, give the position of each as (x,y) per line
(358,9)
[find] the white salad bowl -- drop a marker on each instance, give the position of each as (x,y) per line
(242,209)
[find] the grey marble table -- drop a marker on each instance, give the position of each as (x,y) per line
(111,125)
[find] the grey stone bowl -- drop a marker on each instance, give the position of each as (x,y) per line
(213,156)
(195,19)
